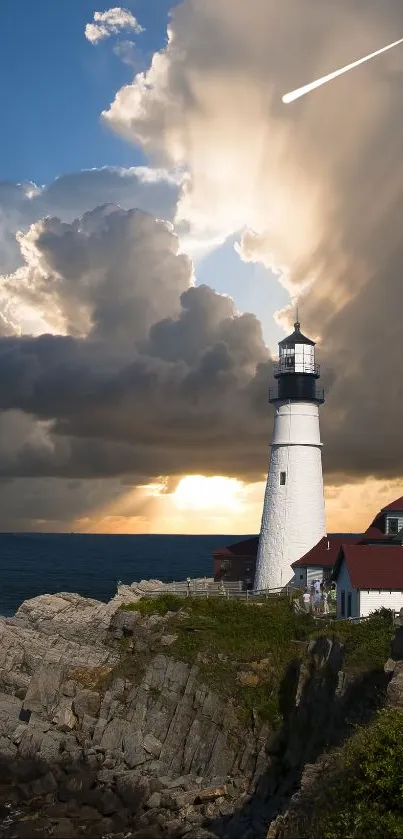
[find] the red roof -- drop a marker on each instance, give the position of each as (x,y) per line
(322,557)
(246,548)
(394,505)
(373,566)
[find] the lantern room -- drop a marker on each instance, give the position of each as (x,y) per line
(296,370)
(296,355)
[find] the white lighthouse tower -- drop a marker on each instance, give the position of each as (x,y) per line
(293,519)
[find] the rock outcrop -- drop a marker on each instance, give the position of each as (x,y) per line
(153,748)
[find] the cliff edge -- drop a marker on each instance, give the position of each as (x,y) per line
(166,717)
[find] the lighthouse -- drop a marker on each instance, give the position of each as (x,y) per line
(293,519)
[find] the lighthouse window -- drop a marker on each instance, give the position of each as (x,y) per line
(282,478)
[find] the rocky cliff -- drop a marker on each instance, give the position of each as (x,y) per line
(104,732)
(321,790)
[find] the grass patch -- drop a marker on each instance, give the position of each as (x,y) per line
(361,794)
(156,605)
(91,678)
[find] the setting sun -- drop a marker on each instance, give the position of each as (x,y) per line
(197,492)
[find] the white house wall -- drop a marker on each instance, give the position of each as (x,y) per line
(371,601)
(313,574)
(304,577)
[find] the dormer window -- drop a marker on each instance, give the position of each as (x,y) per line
(393,526)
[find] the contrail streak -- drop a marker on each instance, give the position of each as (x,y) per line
(301,91)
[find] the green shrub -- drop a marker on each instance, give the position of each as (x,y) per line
(362,792)
(367,644)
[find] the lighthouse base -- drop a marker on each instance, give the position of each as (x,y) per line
(293,519)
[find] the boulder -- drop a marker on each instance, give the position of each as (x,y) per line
(210,794)
(151,745)
(133,790)
(64,718)
(86,702)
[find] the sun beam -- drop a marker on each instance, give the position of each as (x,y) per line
(198,492)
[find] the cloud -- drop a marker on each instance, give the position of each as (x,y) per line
(150,375)
(111,22)
(127,52)
(69,196)
(109,274)
(144,374)
(315,188)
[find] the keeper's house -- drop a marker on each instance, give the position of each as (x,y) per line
(368,577)
(319,562)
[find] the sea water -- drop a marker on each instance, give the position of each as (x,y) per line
(92,565)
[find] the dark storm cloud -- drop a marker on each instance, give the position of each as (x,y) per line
(160,377)
(109,413)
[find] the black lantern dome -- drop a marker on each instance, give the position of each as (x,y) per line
(296,370)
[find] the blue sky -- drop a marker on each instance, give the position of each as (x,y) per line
(54,85)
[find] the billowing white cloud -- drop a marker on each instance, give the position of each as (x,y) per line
(111,273)
(111,22)
(69,196)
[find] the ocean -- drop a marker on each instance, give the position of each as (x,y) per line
(91,565)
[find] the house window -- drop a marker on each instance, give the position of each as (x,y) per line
(282,478)
(301,576)
(393,526)
(343,604)
(349,605)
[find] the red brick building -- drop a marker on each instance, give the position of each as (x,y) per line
(237,562)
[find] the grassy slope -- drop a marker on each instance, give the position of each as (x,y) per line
(244,649)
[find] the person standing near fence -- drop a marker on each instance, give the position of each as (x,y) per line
(332,597)
(306,600)
(312,596)
(188,587)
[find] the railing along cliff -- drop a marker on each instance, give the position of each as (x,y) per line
(207,588)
